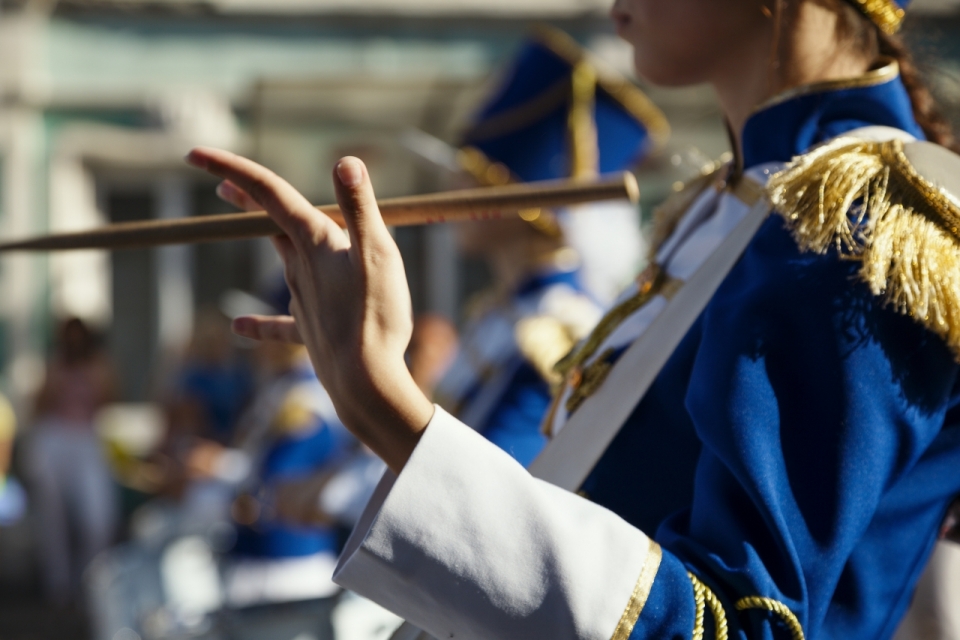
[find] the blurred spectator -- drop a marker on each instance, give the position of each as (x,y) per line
(12,502)
(74,495)
(8,428)
(214,385)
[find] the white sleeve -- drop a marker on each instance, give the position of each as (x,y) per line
(466,544)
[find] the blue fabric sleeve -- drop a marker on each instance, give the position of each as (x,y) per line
(514,425)
(818,409)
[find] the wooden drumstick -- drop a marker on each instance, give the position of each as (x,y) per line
(451,206)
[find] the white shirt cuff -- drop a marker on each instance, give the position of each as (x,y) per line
(466,544)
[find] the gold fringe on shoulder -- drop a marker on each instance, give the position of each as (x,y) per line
(867,201)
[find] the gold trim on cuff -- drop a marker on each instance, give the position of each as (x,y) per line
(640,593)
(630,97)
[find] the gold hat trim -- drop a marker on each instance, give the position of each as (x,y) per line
(886,14)
(630,97)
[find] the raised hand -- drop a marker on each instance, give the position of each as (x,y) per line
(350,300)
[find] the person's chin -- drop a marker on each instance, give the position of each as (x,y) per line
(661,75)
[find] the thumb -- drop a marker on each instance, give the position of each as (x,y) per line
(357,201)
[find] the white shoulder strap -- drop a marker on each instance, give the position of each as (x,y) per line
(573,453)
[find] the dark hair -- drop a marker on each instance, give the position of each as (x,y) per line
(935,126)
(866,36)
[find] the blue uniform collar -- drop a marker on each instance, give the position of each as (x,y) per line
(796,120)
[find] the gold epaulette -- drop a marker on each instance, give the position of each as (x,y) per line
(890,206)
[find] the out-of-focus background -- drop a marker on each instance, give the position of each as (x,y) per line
(100,100)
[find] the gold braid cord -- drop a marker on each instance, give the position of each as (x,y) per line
(703,597)
(652,280)
(667,215)
(581,126)
(777,607)
(609,323)
(866,200)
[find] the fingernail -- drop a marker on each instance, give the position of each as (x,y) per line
(225,190)
(350,172)
(241,326)
(194,159)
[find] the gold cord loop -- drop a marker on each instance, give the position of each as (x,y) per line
(774,606)
(704,597)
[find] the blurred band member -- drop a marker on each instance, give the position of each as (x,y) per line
(553,115)
(278,576)
(11,494)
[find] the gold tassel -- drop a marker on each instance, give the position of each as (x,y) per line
(866,200)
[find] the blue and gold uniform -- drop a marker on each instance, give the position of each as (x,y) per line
(786,473)
(816,475)
(554,115)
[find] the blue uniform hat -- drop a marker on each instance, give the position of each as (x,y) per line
(556,115)
(886,14)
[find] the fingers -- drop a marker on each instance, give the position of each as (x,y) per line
(229,192)
(268,328)
(357,200)
(291,211)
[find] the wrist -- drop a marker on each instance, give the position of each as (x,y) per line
(388,412)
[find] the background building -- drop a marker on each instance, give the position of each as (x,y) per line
(100,100)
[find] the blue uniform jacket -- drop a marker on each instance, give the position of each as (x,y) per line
(803,442)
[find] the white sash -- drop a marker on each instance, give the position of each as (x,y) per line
(573,453)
